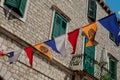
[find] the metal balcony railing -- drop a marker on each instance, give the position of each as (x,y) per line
(100,72)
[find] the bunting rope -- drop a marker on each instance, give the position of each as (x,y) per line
(25,44)
(45,50)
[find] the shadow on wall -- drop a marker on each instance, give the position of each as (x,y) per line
(8,14)
(1,78)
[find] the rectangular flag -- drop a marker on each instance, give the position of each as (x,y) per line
(111,24)
(58,44)
(72,38)
(43,48)
(90,31)
(13,56)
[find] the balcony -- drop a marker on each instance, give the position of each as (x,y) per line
(77,64)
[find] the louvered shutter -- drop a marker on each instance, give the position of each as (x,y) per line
(56,26)
(113,69)
(89,56)
(59,26)
(63,27)
(17,6)
(22,7)
(92,7)
(12,3)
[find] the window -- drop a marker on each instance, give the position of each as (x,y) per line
(89,57)
(59,25)
(113,68)
(17,6)
(92,7)
(112,37)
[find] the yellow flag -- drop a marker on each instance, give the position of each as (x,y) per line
(90,31)
(44,49)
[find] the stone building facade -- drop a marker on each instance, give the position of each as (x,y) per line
(18,31)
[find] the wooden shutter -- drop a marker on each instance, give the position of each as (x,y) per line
(112,37)
(12,3)
(16,5)
(89,56)
(56,26)
(59,26)
(63,27)
(92,7)
(113,68)
(22,7)
(86,63)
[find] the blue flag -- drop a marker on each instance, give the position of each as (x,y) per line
(51,43)
(111,24)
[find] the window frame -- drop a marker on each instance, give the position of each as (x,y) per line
(62,19)
(14,13)
(54,9)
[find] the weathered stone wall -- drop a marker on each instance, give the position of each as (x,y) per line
(37,28)
(42,68)
(102,37)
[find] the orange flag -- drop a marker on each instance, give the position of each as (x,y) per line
(90,31)
(44,49)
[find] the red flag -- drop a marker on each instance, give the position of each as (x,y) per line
(2,53)
(72,37)
(29,53)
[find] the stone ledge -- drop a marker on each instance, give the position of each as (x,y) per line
(25,44)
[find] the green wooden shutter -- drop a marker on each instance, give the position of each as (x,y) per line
(56,26)
(17,5)
(63,27)
(22,7)
(92,7)
(59,26)
(113,68)
(89,56)
(12,3)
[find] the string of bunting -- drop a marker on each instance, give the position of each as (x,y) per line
(58,44)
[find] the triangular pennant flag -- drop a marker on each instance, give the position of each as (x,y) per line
(72,37)
(111,24)
(90,31)
(44,49)
(51,43)
(29,52)
(10,55)
(2,53)
(13,56)
(58,44)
